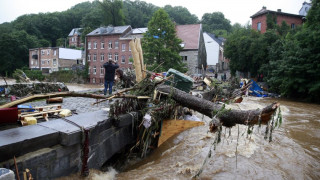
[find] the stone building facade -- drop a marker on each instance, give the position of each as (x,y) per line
(259,20)
(194,50)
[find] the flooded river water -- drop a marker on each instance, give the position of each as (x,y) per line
(294,152)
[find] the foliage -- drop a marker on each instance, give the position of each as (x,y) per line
(215,21)
(181,15)
(14,50)
(161,45)
(138,13)
(289,59)
(112,12)
(33,74)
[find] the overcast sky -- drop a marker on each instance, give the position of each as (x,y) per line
(237,11)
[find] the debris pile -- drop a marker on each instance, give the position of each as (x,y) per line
(21,90)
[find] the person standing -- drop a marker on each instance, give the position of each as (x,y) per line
(110,68)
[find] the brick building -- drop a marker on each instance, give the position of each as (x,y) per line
(74,37)
(104,44)
(259,19)
(49,59)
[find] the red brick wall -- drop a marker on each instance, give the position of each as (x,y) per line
(280,17)
(99,78)
(76,42)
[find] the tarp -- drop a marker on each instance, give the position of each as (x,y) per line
(257,90)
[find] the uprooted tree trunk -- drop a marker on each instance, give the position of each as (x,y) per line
(229,117)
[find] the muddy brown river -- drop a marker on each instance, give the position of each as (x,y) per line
(294,152)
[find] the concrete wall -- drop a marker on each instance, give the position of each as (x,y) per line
(53,149)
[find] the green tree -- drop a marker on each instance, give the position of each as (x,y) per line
(15,50)
(295,71)
(161,45)
(181,15)
(215,21)
(138,13)
(112,11)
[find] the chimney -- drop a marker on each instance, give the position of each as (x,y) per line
(263,7)
(279,10)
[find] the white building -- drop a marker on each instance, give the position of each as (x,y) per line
(304,9)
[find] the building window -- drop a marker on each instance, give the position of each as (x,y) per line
(129,48)
(48,62)
(95,57)
(36,63)
(89,57)
(72,39)
(116,44)
(102,57)
(123,47)
(293,26)
(184,58)
(110,45)
(95,45)
(48,52)
(42,62)
(94,80)
(102,45)
(259,26)
(123,59)
(101,70)
(130,59)
(89,70)
(31,62)
(89,45)
(109,56)
(54,61)
(94,70)
(116,57)
(55,52)
(42,52)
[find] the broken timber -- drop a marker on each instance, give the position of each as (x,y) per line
(228,118)
(50,95)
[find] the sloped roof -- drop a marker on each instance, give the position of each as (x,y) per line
(219,40)
(109,30)
(134,33)
(265,11)
(139,30)
(75,31)
(190,35)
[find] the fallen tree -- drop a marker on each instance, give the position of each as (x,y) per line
(228,118)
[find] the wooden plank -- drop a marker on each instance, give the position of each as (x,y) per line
(173,127)
(207,81)
(40,113)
